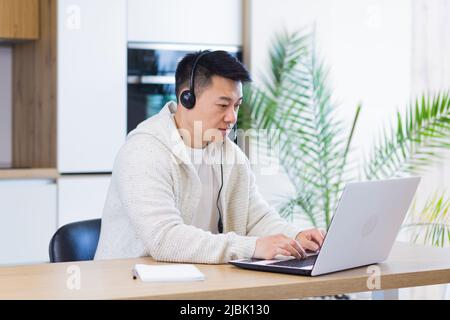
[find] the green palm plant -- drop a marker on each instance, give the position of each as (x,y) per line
(431,224)
(294,99)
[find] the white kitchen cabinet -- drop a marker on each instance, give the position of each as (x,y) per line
(91,83)
(180,21)
(81,197)
(27,220)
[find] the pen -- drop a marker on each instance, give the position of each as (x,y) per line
(133,271)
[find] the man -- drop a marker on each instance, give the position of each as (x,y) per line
(182,191)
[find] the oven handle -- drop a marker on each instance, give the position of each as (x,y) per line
(151,79)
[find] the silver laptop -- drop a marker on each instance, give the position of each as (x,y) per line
(362,231)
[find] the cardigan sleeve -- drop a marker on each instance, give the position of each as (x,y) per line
(264,220)
(144,168)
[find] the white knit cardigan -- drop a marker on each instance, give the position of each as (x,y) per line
(155,188)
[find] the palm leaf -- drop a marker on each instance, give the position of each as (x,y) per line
(412,144)
(295,100)
(431,224)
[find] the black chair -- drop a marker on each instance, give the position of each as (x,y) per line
(75,241)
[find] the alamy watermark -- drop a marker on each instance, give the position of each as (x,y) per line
(374,280)
(73,281)
(261,146)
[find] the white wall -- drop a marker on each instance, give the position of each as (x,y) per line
(431,71)
(5,106)
(381,53)
(366,43)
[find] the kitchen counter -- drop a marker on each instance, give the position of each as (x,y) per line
(40,173)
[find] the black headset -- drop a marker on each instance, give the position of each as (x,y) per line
(220,224)
(187,97)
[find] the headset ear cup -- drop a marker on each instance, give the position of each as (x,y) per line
(187,99)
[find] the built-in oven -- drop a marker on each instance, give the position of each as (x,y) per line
(151,76)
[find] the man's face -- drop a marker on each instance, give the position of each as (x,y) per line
(217,107)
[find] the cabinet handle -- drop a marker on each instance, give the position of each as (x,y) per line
(151,79)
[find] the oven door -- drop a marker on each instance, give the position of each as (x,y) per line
(146,98)
(151,76)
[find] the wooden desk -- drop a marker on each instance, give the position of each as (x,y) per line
(407,266)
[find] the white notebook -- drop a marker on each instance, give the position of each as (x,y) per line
(165,273)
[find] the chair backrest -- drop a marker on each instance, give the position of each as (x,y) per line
(75,241)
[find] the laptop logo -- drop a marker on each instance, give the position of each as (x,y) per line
(370,225)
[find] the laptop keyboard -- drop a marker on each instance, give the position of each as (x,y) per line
(295,263)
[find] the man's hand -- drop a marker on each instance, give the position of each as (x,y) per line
(270,246)
(311,239)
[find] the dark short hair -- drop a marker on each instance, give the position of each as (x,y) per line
(219,63)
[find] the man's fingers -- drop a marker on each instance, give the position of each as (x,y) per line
(287,244)
(294,251)
(317,237)
(310,245)
(299,248)
(282,252)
